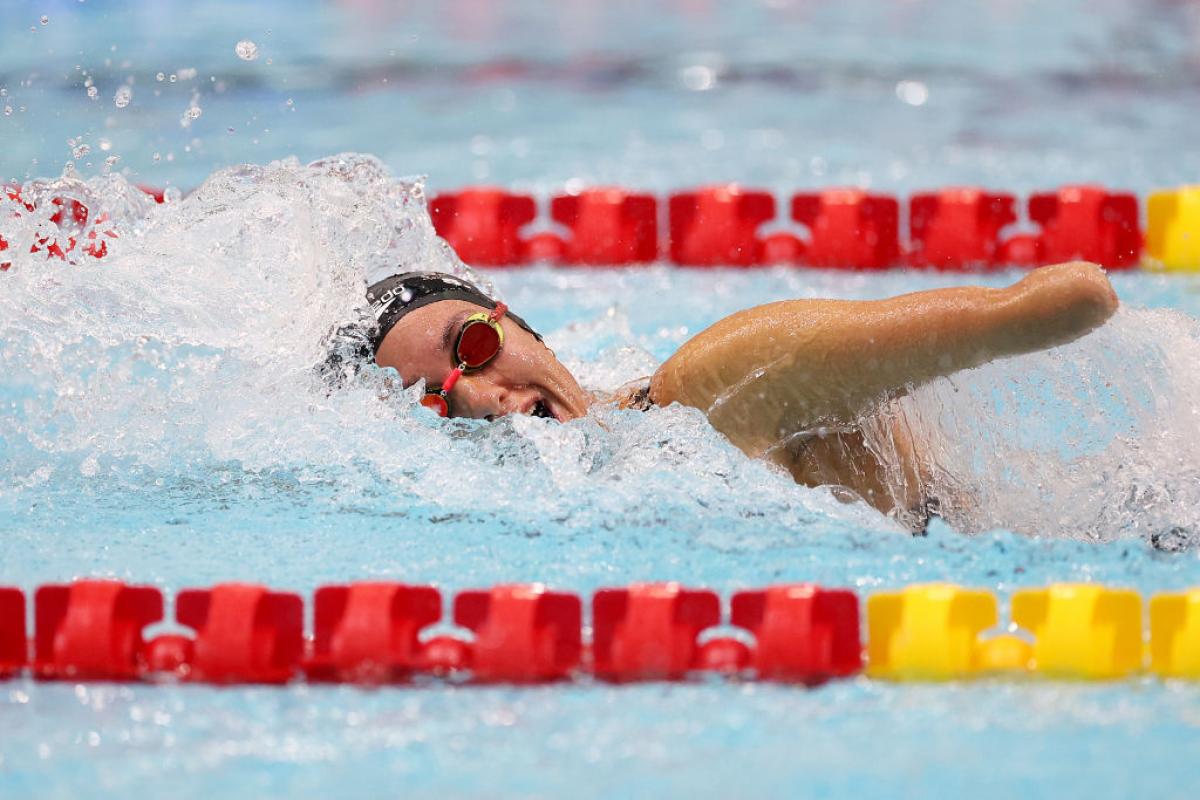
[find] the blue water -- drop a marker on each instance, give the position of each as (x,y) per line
(159,422)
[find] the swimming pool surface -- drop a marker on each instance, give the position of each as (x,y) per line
(160,421)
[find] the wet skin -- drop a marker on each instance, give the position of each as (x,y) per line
(769,376)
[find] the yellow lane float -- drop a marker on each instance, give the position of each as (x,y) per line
(1175,634)
(1173,229)
(1082,630)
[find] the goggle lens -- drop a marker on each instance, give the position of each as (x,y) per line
(437,404)
(478,343)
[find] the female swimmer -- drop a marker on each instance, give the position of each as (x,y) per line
(787,382)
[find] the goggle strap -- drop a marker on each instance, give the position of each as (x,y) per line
(452,379)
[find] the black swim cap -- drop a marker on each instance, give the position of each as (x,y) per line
(391,298)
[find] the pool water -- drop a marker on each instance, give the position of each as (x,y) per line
(162,423)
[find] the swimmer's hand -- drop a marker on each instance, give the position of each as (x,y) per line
(774,369)
(1066,300)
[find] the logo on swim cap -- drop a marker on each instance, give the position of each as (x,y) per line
(380,306)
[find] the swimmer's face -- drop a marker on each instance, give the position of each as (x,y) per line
(523,378)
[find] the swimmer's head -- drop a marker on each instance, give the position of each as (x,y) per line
(419,317)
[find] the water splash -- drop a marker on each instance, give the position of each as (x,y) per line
(186,358)
(1093,440)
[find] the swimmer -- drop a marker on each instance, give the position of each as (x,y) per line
(787,382)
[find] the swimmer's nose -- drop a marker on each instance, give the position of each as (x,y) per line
(479,398)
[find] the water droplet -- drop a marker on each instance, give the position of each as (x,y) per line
(914,93)
(173,77)
(246,50)
(8,111)
(93,92)
(290,102)
(698,77)
(45,20)
(193,112)
(157,157)
(81,151)
(160,77)
(122,97)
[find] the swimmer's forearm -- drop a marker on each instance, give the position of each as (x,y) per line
(816,358)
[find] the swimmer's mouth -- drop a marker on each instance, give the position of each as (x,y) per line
(540,409)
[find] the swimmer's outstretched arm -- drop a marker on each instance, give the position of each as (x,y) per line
(765,372)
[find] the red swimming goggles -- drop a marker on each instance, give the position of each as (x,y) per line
(479,341)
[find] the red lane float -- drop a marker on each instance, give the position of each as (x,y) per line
(718,226)
(1087,222)
(523,633)
(607,226)
(244,633)
(92,630)
(483,225)
(850,229)
(650,631)
(958,229)
(802,632)
(14,646)
(369,632)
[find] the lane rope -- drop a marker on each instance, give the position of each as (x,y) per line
(954,229)
(387,632)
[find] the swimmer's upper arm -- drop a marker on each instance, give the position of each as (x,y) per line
(762,372)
